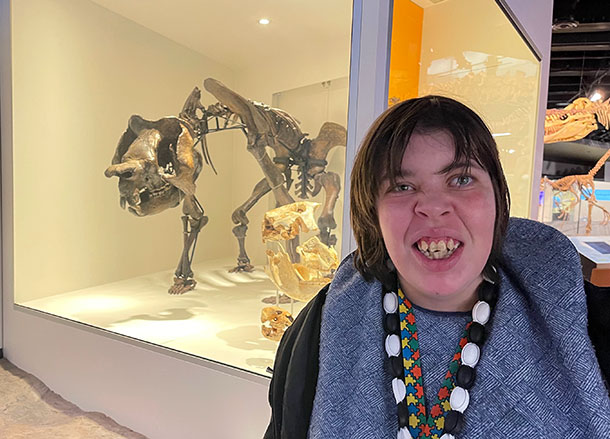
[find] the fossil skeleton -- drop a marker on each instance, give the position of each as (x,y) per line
(575,121)
(157,165)
(274,128)
(580,184)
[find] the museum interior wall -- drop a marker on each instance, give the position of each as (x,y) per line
(497,76)
(75,86)
(81,69)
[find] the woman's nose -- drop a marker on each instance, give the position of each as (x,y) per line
(433,205)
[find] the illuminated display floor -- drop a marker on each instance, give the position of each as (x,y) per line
(219,320)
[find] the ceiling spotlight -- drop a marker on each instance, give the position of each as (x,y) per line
(263,21)
(565,24)
(596,97)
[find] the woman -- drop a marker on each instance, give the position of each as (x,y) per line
(449,320)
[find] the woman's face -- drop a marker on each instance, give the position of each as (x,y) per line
(438,224)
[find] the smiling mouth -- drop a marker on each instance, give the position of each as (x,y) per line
(437,248)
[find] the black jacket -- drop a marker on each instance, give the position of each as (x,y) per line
(295,374)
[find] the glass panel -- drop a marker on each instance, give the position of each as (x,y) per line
(82,69)
(469,50)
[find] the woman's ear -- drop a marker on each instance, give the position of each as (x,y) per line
(390,265)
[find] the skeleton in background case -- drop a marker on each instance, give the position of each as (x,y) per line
(271,127)
(580,185)
(576,121)
(157,166)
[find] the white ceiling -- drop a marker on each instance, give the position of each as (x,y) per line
(228,31)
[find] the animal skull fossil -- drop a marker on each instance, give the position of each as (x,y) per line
(275,321)
(156,164)
(286,222)
(299,282)
(317,256)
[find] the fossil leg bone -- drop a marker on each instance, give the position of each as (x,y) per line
(240,218)
(193,220)
(258,132)
(331,183)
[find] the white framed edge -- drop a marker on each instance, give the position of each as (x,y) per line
(533,20)
(156,391)
(368,86)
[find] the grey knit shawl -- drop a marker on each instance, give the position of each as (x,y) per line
(538,376)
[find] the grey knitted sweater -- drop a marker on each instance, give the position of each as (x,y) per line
(538,376)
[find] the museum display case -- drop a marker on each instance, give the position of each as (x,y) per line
(203,135)
(472,52)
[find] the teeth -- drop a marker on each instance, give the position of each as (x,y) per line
(136,198)
(160,191)
(438,249)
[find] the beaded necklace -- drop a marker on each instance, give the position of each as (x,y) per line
(446,415)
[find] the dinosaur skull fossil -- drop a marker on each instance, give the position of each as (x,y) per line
(156,164)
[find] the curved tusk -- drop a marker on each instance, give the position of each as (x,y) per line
(119,169)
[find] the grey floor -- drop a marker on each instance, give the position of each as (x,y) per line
(30,410)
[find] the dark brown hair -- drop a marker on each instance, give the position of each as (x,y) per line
(380,158)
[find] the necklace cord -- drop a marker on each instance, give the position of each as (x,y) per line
(446,417)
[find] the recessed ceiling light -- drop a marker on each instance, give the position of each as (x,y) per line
(263,21)
(596,97)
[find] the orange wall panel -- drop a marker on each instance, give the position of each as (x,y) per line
(405,53)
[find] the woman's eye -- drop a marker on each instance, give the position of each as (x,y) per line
(462,180)
(403,187)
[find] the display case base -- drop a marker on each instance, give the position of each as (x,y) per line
(218,320)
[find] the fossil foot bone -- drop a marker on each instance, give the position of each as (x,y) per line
(242,266)
(182,286)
